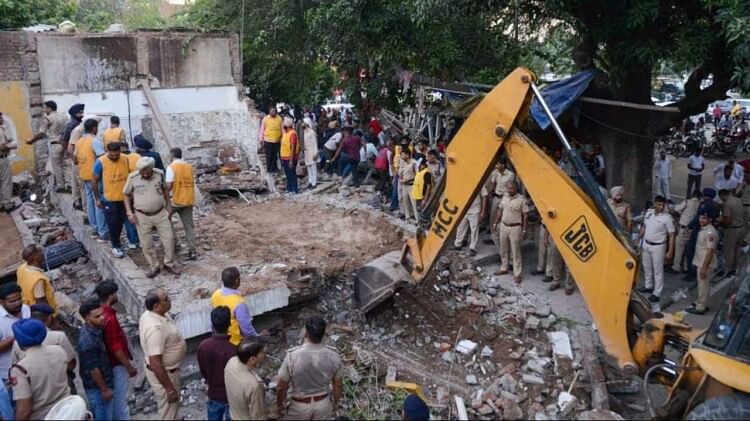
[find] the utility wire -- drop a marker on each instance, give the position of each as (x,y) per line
(617,129)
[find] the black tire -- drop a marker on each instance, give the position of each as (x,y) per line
(727,407)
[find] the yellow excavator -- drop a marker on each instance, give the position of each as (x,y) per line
(711,377)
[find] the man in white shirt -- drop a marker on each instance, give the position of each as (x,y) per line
(663,172)
(738,171)
(726,181)
(696,164)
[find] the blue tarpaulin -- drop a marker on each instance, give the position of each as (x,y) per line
(560,95)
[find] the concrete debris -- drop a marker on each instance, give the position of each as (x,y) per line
(448,357)
(599,414)
(542,310)
(532,379)
(532,323)
(511,410)
(508,383)
(466,347)
(485,410)
(560,344)
(461,413)
(486,352)
(471,379)
(565,403)
(200,293)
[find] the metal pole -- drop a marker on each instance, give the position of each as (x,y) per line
(553,120)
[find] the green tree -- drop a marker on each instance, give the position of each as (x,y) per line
(16,14)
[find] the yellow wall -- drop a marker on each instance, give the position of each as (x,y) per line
(14,103)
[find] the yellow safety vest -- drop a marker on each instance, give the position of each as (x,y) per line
(133,160)
(232,301)
(111,135)
(286,145)
(27,277)
(417,190)
(86,157)
(183,186)
(396,158)
(114,177)
(272,128)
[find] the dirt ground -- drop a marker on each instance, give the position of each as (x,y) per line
(12,245)
(274,242)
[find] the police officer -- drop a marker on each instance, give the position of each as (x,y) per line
(151,209)
(687,211)
(707,202)
(733,221)
(657,233)
(512,215)
(470,221)
(52,128)
(620,207)
(7,143)
(744,195)
(164,349)
(556,268)
(704,261)
(498,180)
(310,370)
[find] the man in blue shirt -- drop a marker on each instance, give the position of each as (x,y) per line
(96,373)
(144,148)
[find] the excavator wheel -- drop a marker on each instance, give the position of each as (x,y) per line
(727,407)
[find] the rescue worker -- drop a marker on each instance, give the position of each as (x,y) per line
(512,214)
(657,233)
(310,370)
(498,180)
(420,191)
(704,261)
(733,222)
(164,349)
(406,172)
(84,158)
(246,391)
(151,209)
(38,379)
(270,133)
(474,214)
(131,156)
(7,143)
(112,172)
(687,211)
(75,136)
(181,184)
(436,166)
(289,155)
(620,207)
(114,133)
(230,296)
(52,128)
(35,285)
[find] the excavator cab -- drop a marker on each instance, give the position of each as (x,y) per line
(729,333)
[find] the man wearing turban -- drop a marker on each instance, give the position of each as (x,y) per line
(620,207)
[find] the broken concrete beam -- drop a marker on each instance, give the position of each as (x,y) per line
(466,347)
(560,344)
(593,369)
(461,413)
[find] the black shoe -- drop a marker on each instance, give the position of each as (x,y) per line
(537,272)
(730,273)
(547,279)
(77,205)
(644,290)
(654,298)
(487,241)
(472,253)
(669,269)
(687,278)
(694,310)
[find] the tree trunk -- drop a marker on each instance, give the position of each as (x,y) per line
(629,161)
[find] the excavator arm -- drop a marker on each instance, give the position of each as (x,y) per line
(598,257)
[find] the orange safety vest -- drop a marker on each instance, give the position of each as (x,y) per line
(232,301)
(133,160)
(286,145)
(183,185)
(111,135)
(114,177)
(272,128)
(86,157)
(27,277)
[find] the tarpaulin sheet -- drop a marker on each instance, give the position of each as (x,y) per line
(560,95)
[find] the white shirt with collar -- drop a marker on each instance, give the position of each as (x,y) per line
(6,331)
(663,168)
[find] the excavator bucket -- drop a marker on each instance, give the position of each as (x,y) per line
(378,280)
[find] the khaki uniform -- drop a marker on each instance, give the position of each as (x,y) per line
(41,375)
(6,177)
(501,181)
(745,198)
(471,222)
(160,336)
(75,181)
(511,228)
(246,392)
(687,210)
(622,212)
(555,267)
(54,337)
(310,369)
(708,239)
(542,249)
(658,226)
(53,126)
(406,174)
(735,232)
(150,211)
